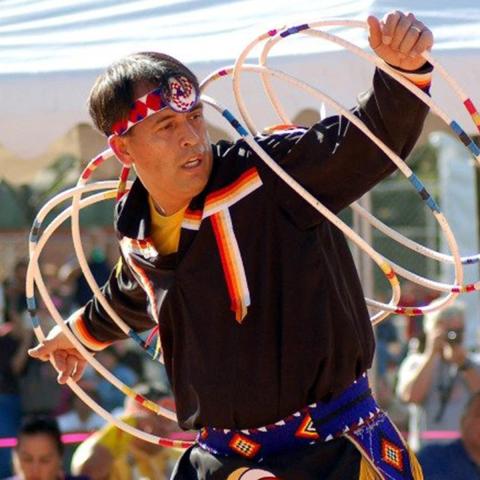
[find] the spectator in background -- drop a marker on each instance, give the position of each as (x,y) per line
(112,454)
(389,348)
(460,459)
(15,339)
(131,355)
(80,417)
(39,452)
(413,295)
(15,287)
(100,270)
(111,397)
(390,351)
(60,290)
(438,381)
(95,245)
(39,390)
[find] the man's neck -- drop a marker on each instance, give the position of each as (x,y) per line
(159,208)
(166,209)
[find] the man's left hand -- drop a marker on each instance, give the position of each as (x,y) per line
(400,39)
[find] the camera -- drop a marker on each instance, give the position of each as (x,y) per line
(454,337)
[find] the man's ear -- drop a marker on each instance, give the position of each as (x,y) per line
(119,146)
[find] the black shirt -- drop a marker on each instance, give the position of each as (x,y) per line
(307,333)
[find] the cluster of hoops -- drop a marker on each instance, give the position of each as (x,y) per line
(112,189)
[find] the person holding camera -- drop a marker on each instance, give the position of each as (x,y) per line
(437,382)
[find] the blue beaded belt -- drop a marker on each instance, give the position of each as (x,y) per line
(353,414)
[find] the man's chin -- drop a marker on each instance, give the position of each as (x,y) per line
(196,185)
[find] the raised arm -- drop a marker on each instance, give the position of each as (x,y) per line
(334,160)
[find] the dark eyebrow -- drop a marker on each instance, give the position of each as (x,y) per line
(164,118)
(169,115)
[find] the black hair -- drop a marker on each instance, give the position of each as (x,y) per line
(112,94)
(42,425)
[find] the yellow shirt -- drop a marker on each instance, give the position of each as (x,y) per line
(129,461)
(165,230)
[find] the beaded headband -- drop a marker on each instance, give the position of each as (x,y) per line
(181,96)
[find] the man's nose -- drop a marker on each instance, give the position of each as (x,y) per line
(190,135)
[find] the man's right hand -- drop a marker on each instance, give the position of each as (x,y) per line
(67,360)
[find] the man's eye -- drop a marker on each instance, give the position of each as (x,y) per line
(165,126)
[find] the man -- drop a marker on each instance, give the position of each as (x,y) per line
(459,459)
(264,328)
(38,454)
(438,382)
(116,455)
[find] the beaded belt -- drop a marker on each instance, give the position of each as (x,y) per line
(353,414)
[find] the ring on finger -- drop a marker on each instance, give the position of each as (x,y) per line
(416,29)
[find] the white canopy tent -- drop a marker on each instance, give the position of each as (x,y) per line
(51,51)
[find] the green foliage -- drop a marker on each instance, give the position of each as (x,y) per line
(423,161)
(21,204)
(13,214)
(397,204)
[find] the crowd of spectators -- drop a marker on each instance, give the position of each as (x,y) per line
(423,376)
(437,382)
(29,389)
(429,382)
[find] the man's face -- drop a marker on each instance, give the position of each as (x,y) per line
(171,153)
(37,458)
(471,426)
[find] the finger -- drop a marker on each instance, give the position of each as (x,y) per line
(389,24)
(424,43)
(401,30)
(374,32)
(60,360)
(77,374)
(410,39)
(49,345)
(69,367)
(41,351)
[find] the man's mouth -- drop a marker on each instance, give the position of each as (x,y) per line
(193,162)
